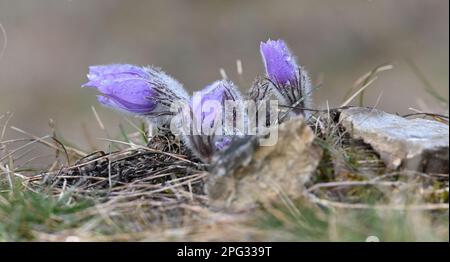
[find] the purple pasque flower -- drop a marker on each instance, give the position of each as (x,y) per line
(208,105)
(145,91)
(208,130)
(290,82)
(280,65)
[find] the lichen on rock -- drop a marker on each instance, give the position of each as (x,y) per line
(411,144)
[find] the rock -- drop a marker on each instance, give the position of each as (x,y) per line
(263,173)
(412,144)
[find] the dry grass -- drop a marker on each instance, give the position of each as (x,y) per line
(154,192)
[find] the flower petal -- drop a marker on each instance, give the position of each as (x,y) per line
(100,73)
(222,143)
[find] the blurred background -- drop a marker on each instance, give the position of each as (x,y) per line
(51,43)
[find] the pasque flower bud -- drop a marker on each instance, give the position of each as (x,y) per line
(289,81)
(208,133)
(145,91)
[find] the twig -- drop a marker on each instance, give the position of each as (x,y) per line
(71,149)
(37,139)
(354,183)
(179,157)
(8,175)
(350,99)
(109,169)
(97,117)
(5,41)
(438,117)
(333,204)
